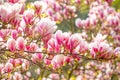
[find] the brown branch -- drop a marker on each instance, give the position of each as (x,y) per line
(69,54)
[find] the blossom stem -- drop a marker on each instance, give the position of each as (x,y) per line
(41,74)
(70,73)
(72,25)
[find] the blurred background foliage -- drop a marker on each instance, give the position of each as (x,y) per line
(82,12)
(116,4)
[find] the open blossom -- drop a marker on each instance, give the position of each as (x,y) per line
(8,11)
(14,34)
(47,61)
(8,67)
(78,22)
(11,44)
(86,23)
(67,59)
(53,45)
(40,6)
(17,76)
(69,11)
(117,51)
(37,57)
(113,20)
(59,36)
(57,61)
(83,46)
(32,47)
(100,49)
(16,21)
(20,43)
(66,36)
(73,42)
(46,27)
(28,16)
(4,33)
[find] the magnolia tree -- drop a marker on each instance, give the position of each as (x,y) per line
(33,47)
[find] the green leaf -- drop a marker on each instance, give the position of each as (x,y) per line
(114,77)
(116,4)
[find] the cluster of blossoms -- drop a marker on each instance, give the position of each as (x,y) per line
(31,46)
(104,18)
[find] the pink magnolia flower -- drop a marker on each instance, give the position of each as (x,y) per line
(11,44)
(57,61)
(83,46)
(8,11)
(93,20)
(57,17)
(15,62)
(113,20)
(53,45)
(46,27)
(4,33)
(32,47)
(86,23)
(100,49)
(20,43)
(117,51)
(78,22)
(14,34)
(8,67)
(17,76)
(66,36)
(28,16)
(36,57)
(56,6)
(73,42)
(50,12)
(18,62)
(59,36)
(47,61)
(40,6)
(22,7)
(12,61)
(16,21)
(67,59)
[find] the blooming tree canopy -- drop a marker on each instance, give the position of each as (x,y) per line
(33,46)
